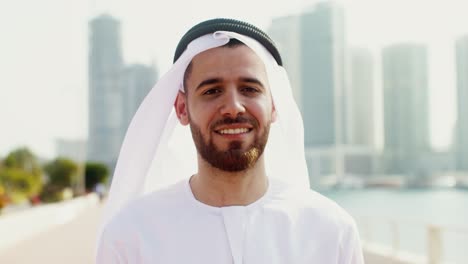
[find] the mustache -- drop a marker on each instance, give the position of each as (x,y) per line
(237,120)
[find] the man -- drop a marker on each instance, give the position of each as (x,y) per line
(237,205)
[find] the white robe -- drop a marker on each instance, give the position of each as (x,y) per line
(285,226)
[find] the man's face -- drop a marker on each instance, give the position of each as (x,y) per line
(228,106)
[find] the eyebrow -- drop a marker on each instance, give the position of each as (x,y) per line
(208,82)
(219,80)
(252,80)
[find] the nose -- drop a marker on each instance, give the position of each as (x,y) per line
(232,104)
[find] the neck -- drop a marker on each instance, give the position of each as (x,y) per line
(219,188)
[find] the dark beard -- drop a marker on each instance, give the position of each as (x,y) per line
(234,159)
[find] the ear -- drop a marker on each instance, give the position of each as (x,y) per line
(180,106)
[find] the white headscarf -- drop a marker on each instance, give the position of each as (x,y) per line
(157,151)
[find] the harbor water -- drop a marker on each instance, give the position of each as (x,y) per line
(401,219)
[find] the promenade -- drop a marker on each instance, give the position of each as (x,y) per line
(71,243)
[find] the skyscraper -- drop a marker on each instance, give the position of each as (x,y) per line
(285,31)
(406,112)
(461,133)
(323,66)
(105,90)
(138,80)
(361,98)
(71,149)
(313,45)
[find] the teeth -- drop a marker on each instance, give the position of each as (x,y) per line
(234,131)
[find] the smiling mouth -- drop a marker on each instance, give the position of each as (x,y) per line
(233,131)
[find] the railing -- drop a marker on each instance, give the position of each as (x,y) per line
(412,242)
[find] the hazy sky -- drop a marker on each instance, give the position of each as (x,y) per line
(43,52)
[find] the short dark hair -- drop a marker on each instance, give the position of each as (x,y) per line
(231,44)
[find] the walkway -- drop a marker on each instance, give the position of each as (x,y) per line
(71,243)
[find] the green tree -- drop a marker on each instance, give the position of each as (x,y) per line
(19,184)
(95,173)
(24,159)
(62,173)
(21,175)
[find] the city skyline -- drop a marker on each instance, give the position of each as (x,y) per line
(406,100)
(363,94)
(115,90)
(57,77)
(461,132)
(106,102)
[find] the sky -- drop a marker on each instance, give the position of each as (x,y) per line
(43,53)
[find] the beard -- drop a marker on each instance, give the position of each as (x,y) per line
(234,159)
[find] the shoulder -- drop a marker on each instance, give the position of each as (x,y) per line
(128,230)
(150,208)
(315,218)
(309,206)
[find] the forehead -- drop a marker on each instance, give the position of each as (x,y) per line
(228,62)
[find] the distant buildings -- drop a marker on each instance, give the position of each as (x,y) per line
(336,100)
(314,46)
(406,107)
(71,149)
(334,87)
(105,90)
(323,77)
(115,90)
(138,80)
(461,132)
(286,32)
(361,102)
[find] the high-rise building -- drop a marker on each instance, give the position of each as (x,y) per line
(105,90)
(138,80)
(285,31)
(71,149)
(361,98)
(461,133)
(323,63)
(313,47)
(406,112)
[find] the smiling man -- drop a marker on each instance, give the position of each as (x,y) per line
(238,205)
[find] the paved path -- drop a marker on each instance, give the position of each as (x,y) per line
(70,243)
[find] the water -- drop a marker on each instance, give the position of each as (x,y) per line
(381,214)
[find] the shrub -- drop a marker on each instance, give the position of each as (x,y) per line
(19,184)
(95,173)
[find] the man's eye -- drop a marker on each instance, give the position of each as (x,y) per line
(248,89)
(211,91)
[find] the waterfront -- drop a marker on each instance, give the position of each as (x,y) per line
(401,217)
